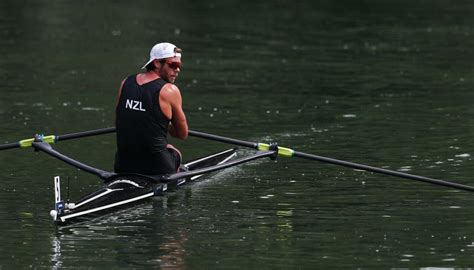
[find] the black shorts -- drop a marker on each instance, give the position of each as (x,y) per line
(174,159)
(164,162)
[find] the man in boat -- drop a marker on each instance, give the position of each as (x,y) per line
(149,106)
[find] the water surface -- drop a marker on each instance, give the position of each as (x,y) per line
(385,83)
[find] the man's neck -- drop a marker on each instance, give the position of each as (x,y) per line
(147,77)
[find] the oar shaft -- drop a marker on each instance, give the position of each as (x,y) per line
(383,171)
(9,146)
(52,138)
(83,134)
(291,153)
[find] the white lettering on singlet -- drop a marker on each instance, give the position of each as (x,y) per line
(134,105)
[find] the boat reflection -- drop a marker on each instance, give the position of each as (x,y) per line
(130,237)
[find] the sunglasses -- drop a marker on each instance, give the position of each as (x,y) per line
(174,65)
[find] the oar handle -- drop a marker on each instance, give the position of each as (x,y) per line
(282,151)
(222,139)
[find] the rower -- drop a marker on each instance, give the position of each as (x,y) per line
(149,106)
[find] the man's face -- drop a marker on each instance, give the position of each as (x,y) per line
(170,69)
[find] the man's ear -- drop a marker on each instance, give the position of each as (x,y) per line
(157,63)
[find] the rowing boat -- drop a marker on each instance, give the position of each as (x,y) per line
(122,190)
(128,189)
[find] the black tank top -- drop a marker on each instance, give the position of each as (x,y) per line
(142,128)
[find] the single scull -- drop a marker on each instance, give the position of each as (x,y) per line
(125,190)
(121,190)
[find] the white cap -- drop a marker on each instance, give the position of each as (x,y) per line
(161,51)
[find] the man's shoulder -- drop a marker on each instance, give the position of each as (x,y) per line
(170,87)
(170,93)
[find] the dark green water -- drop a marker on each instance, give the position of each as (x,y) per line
(385,83)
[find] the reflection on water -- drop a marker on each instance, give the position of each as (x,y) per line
(149,225)
(113,234)
(56,259)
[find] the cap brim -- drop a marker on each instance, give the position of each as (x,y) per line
(149,61)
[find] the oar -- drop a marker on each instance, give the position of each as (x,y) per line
(287,152)
(55,138)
